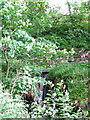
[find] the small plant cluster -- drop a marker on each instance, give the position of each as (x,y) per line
(56,105)
(27,77)
(11,108)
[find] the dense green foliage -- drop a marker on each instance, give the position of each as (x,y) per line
(11,108)
(69,31)
(35,37)
(75,77)
(56,105)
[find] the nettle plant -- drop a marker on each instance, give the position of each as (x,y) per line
(56,105)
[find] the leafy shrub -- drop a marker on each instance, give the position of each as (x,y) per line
(27,78)
(56,105)
(76,38)
(28,48)
(11,108)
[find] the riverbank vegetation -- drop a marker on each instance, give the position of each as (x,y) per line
(35,37)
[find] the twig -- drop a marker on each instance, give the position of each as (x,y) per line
(6,59)
(13,84)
